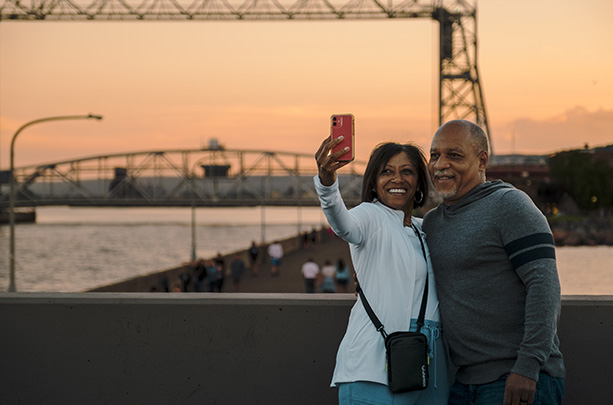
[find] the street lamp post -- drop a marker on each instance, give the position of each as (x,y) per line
(193,255)
(12,287)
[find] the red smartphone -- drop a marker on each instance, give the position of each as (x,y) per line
(343,124)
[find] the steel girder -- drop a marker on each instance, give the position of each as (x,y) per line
(210,9)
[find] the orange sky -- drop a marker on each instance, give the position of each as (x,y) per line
(545,68)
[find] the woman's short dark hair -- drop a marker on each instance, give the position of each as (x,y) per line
(380,156)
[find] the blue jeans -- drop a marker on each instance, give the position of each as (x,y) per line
(549,391)
(370,393)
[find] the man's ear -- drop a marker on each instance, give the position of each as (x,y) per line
(483,160)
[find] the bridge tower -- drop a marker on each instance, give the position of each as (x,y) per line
(460,93)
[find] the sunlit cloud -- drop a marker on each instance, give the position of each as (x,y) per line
(571,129)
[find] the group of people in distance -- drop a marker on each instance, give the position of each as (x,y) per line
(209,275)
(493,290)
(331,278)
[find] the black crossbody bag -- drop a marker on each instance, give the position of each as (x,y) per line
(406,352)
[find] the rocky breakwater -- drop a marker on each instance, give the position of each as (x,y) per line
(582,231)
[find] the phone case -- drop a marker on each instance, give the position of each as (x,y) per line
(343,124)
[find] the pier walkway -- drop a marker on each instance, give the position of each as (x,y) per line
(327,246)
(290,279)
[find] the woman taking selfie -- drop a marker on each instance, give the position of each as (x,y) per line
(386,251)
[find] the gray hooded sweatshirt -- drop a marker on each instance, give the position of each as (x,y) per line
(494,263)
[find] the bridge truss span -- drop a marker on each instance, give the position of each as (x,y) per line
(133,10)
(186,177)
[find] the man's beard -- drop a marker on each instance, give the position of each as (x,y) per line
(448,194)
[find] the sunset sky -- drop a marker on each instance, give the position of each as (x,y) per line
(546,71)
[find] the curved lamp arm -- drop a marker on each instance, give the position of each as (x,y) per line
(12,287)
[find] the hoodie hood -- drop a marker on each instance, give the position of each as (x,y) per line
(480,191)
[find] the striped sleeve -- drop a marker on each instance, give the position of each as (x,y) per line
(530,248)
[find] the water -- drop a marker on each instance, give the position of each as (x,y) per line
(75,249)
(586,270)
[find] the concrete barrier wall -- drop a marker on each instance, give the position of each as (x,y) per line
(220,348)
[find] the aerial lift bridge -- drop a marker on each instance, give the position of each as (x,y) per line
(460,95)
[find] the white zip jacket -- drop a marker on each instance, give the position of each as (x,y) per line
(389,263)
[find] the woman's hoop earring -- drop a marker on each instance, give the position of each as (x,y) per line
(421,196)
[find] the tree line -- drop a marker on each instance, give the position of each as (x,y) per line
(585,175)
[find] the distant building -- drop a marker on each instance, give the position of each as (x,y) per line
(529,173)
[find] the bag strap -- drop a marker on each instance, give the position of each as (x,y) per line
(424,300)
(370,312)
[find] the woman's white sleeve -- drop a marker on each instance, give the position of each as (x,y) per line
(342,221)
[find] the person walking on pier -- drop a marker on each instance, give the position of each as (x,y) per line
(310,273)
(237,270)
(328,273)
(220,264)
(212,275)
(384,240)
(494,260)
(200,276)
(342,275)
(254,252)
(275,251)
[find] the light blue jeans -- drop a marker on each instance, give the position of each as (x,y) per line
(549,391)
(437,393)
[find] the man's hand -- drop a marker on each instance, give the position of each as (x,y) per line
(327,163)
(519,390)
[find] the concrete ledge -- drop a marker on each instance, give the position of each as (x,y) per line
(220,348)
(93,298)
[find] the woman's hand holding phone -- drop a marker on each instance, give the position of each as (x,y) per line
(327,162)
(337,150)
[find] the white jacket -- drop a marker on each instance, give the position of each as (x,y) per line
(390,267)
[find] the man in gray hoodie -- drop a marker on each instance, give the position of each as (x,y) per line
(494,261)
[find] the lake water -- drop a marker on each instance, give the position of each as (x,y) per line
(75,249)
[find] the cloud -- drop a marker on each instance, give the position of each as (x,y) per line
(569,130)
